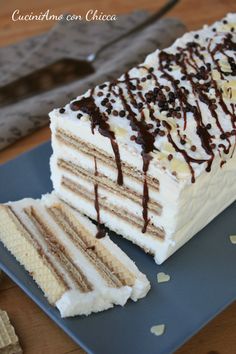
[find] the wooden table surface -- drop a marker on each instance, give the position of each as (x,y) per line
(38,334)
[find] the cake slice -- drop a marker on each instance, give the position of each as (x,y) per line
(151,155)
(77,272)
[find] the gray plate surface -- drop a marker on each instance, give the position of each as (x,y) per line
(203,278)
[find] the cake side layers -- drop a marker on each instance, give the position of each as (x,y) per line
(195,205)
(85,152)
(162,193)
(198,205)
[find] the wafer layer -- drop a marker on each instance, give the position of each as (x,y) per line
(9,343)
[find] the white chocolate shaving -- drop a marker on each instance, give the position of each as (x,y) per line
(163,277)
(158,330)
(233,239)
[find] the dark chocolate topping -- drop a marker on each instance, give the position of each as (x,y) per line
(88,106)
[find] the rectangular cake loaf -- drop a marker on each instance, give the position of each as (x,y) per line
(77,272)
(151,155)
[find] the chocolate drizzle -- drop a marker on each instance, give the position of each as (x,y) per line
(115,148)
(88,106)
(183,57)
(144,138)
(187,158)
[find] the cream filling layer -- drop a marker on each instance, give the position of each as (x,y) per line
(133,181)
(114,199)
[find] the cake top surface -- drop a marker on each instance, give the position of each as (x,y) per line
(177,109)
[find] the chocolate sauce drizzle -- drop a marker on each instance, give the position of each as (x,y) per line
(144,138)
(174,100)
(88,106)
(183,57)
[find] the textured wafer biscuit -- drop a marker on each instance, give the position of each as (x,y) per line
(9,343)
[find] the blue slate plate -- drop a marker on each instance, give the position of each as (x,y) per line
(203,278)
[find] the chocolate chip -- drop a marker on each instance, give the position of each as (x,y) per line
(161,133)
(122,113)
(223,136)
(104,101)
(171,95)
(161,104)
(102,86)
(115,113)
(155,90)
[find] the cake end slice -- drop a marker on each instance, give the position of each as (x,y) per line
(77,272)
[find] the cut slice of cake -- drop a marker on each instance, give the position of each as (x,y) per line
(77,272)
(152,154)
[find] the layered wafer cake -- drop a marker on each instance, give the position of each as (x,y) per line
(77,272)
(151,155)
